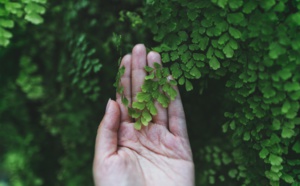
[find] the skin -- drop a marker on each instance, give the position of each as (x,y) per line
(159,154)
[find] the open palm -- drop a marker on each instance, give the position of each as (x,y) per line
(156,155)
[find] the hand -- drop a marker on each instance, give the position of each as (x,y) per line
(156,155)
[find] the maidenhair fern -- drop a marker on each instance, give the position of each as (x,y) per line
(158,86)
(255,46)
(84,64)
(15,11)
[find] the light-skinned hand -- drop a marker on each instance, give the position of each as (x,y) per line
(157,155)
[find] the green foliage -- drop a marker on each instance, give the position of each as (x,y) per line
(254,46)
(82,57)
(55,81)
(29,83)
(157,87)
(240,58)
(16,12)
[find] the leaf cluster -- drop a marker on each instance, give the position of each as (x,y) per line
(12,12)
(157,86)
(254,47)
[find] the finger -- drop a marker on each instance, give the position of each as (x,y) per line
(107,135)
(126,84)
(177,123)
(137,66)
(162,115)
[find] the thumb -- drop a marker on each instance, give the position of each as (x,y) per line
(107,135)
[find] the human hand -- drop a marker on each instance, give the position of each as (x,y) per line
(156,155)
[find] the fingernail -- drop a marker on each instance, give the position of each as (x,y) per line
(108,105)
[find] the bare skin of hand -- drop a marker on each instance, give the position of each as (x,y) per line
(157,155)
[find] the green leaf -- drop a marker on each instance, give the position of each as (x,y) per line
(223,39)
(235,18)
(214,63)
(125,101)
(285,107)
(219,54)
(162,81)
(285,74)
(228,51)
(235,33)
(174,55)
(173,82)
(165,72)
(291,86)
(148,86)
(163,100)
(287,178)
(183,35)
(211,180)
(275,159)
(276,50)
(151,107)
(268,92)
(170,91)
(158,73)
(141,97)
(295,96)
(176,70)
(157,65)
(181,81)
(5,33)
(199,57)
(203,43)
(146,115)
(232,125)
(296,147)
(4,41)
(195,72)
(138,125)
(246,136)
(222,3)
(136,114)
(235,4)
(249,7)
(233,173)
(192,14)
(263,153)
(144,121)
(280,7)
(148,69)
(34,8)
(267,4)
(150,76)
(138,105)
(6,23)
(276,124)
(210,52)
(165,58)
(276,168)
(186,57)
(34,18)
(287,132)
(97,67)
(188,85)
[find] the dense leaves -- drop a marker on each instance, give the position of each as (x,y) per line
(240,58)
(157,86)
(12,12)
(255,46)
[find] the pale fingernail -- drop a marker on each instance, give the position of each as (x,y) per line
(108,105)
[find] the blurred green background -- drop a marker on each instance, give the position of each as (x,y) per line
(59,60)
